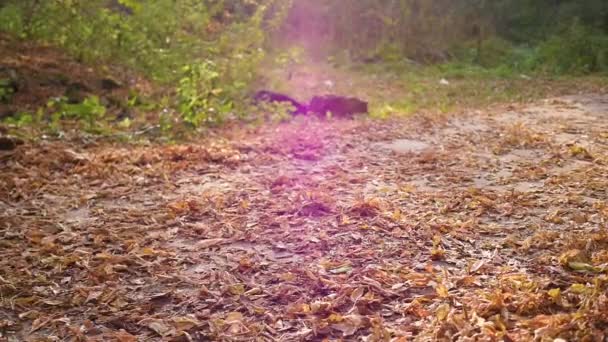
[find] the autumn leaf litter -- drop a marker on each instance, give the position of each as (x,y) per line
(475,227)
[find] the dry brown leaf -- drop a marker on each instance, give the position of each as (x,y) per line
(477,265)
(349,324)
(123,336)
(158,326)
(357,294)
(234,317)
(185,323)
(211,242)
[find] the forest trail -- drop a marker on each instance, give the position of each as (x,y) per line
(479,225)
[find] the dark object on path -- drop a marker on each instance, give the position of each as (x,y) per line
(109,84)
(9,143)
(338,106)
(76,92)
(269,96)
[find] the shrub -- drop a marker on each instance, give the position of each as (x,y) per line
(579,49)
(90,111)
(209,51)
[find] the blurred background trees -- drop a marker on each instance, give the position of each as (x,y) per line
(208,52)
(158,36)
(555,35)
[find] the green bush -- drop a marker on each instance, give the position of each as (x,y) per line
(6,90)
(199,95)
(579,49)
(90,112)
(11,19)
(208,51)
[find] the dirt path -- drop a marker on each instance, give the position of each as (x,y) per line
(479,226)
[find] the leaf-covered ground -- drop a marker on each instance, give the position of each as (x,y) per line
(477,227)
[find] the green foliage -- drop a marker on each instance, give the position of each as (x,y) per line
(501,36)
(6,90)
(166,39)
(11,19)
(90,112)
(24,119)
(577,50)
(199,97)
(153,38)
(207,53)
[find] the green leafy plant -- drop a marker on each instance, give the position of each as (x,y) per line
(166,123)
(6,90)
(20,120)
(90,112)
(579,49)
(199,98)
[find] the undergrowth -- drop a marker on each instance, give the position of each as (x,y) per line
(210,55)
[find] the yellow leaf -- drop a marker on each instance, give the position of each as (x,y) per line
(579,151)
(436,240)
(126,123)
(335,318)
(442,291)
(437,253)
(554,293)
(573,255)
(442,312)
(147,251)
(305,308)
(237,289)
(584,267)
(578,289)
(397,214)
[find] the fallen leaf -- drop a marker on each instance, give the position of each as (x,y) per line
(477,266)
(442,291)
(123,336)
(442,311)
(583,267)
(234,317)
(555,294)
(349,324)
(158,326)
(184,323)
(342,269)
(211,242)
(357,294)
